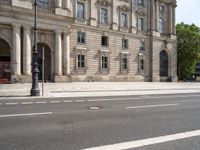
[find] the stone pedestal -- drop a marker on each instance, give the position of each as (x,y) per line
(62,79)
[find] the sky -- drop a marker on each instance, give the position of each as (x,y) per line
(188,11)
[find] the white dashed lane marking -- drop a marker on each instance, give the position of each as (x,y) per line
(152,106)
(11,103)
(44,102)
(54,101)
(29,114)
(79,101)
(26,103)
(67,101)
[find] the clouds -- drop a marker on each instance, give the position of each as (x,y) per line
(188,11)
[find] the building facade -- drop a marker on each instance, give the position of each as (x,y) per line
(89,40)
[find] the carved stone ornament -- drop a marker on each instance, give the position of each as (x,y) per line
(124,1)
(124,8)
(104,3)
(168,1)
(140,12)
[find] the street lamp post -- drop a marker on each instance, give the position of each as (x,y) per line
(35,91)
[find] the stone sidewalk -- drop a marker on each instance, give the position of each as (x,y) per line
(87,89)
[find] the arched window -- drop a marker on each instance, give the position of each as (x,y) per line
(161,25)
(163,64)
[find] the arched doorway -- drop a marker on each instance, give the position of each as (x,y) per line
(4,61)
(163,64)
(47,62)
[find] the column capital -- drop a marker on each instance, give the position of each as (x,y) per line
(68,31)
(27,27)
(16,25)
(58,31)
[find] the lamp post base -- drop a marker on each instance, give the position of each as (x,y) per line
(35,92)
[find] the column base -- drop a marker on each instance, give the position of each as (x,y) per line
(62,79)
(21,79)
(174,79)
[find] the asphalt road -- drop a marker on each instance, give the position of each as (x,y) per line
(159,122)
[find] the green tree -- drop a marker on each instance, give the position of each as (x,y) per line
(188,49)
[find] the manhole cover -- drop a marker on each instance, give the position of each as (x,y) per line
(94,108)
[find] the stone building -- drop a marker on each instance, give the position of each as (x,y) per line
(89,40)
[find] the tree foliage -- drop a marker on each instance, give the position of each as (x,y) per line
(188,49)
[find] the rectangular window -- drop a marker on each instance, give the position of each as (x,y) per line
(124,63)
(80,10)
(124,20)
(81,37)
(140,2)
(162,9)
(104,62)
(140,24)
(125,43)
(104,41)
(104,15)
(142,46)
(142,64)
(81,61)
(43,3)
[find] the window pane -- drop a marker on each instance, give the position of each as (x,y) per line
(104,62)
(81,61)
(104,41)
(124,63)
(81,37)
(140,24)
(123,20)
(43,3)
(161,26)
(104,15)
(80,10)
(124,43)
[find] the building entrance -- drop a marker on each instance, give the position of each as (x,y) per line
(5,71)
(47,62)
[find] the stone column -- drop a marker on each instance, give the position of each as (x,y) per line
(157,11)
(58,54)
(173,19)
(58,3)
(27,51)
(16,55)
(170,18)
(66,4)
(66,53)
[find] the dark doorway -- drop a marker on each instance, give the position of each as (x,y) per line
(163,64)
(5,71)
(47,62)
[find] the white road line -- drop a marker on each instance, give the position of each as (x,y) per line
(54,101)
(29,114)
(149,141)
(151,106)
(11,103)
(115,99)
(67,101)
(79,101)
(44,102)
(142,97)
(26,103)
